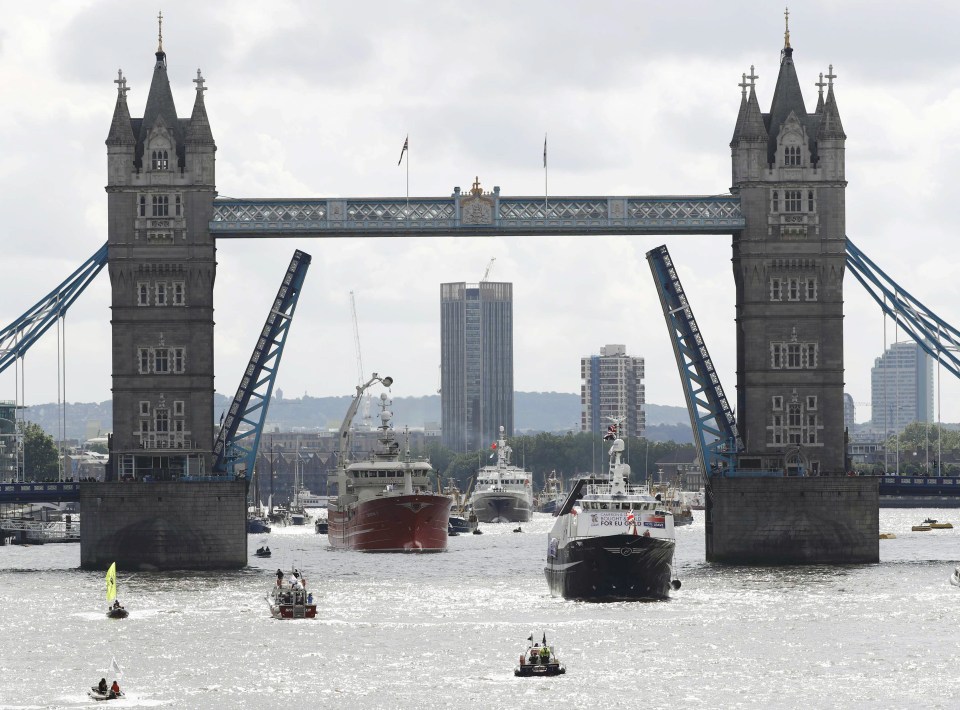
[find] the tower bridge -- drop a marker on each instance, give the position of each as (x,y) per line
(785,212)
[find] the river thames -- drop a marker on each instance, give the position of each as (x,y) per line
(439,631)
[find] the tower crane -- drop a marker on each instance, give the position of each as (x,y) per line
(356,345)
(487,272)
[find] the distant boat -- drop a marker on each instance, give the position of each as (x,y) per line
(114,611)
(955,577)
(263,552)
(504,493)
(257,526)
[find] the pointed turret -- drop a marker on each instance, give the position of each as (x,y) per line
(787,99)
(753,126)
(199,128)
(121,132)
(820,86)
(830,126)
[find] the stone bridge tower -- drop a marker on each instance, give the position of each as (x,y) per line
(162,264)
(788,264)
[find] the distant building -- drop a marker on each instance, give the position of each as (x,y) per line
(849,413)
(901,387)
(476,363)
(611,385)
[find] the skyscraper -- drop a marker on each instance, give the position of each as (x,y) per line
(611,385)
(476,363)
(901,388)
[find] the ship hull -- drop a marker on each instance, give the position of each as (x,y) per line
(403,523)
(501,507)
(611,568)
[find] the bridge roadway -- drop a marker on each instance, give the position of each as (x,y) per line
(475,213)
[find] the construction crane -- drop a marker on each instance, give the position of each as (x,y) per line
(356,345)
(487,272)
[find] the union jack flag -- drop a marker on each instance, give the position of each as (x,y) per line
(611,433)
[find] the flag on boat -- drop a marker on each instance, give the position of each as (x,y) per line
(611,433)
(115,668)
(406,146)
(112,582)
(530,638)
(544,638)
(630,518)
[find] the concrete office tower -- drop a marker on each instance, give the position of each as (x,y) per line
(476,363)
(901,388)
(788,171)
(611,385)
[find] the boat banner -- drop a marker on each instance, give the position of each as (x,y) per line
(622,519)
(654,521)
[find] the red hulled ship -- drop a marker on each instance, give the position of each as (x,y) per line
(385,502)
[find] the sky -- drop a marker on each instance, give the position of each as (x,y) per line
(314,99)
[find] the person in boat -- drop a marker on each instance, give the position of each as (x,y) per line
(544,654)
(279,577)
(115,689)
(102,687)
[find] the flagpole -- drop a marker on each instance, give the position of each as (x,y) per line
(408,174)
(546,191)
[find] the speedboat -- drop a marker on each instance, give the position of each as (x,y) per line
(263,552)
(937,525)
(117,612)
(540,660)
(291,600)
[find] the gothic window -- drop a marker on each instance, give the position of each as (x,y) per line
(143,294)
(810,355)
(178,207)
(793,202)
(179,291)
(143,205)
(810,201)
(161,205)
(795,437)
(776,353)
(161,294)
(777,402)
(144,409)
(775,201)
(144,427)
(811,402)
(793,415)
(793,356)
(178,408)
(178,360)
(791,155)
(776,289)
(793,290)
(159,160)
(143,355)
(163,421)
(811,289)
(161,361)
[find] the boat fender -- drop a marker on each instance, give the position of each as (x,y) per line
(675,584)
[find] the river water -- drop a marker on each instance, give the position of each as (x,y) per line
(437,631)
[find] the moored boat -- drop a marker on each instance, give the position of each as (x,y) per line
(504,492)
(611,540)
(291,600)
(385,502)
(257,525)
(551,497)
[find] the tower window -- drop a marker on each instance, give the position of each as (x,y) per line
(793,293)
(161,361)
(143,294)
(161,294)
(161,205)
(810,201)
(793,200)
(793,356)
(144,409)
(143,205)
(178,207)
(178,408)
(775,201)
(143,356)
(791,155)
(159,160)
(776,356)
(776,289)
(777,402)
(163,420)
(178,293)
(178,360)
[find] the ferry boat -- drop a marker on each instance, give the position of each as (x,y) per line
(504,492)
(291,601)
(385,503)
(611,540)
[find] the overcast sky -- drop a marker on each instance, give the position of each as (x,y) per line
(313,99)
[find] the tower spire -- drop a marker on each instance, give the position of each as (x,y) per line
(786,34)
(160,32)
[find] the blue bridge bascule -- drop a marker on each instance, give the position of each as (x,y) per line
(785,212)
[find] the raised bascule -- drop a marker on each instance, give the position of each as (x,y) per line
(777,489)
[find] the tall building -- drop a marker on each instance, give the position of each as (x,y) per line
(849,413)
(476,363)
(901,388)
(160,191)
(611,385)
(788,265)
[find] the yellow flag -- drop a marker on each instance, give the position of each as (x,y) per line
(112,582)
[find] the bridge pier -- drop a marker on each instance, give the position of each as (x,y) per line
(164,525)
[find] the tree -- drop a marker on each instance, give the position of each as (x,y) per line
(40,455)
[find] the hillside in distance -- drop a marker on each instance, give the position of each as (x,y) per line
(533,412)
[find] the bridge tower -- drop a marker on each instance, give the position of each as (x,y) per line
(788,265)
(162,264)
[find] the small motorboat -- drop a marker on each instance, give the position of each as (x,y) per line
(451,532)
(321,526)
(937,525)
(95,694)
(262,552)
(539,660)
(478,531)
(117,612)
(955,577)
(518,529)
(291,600)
